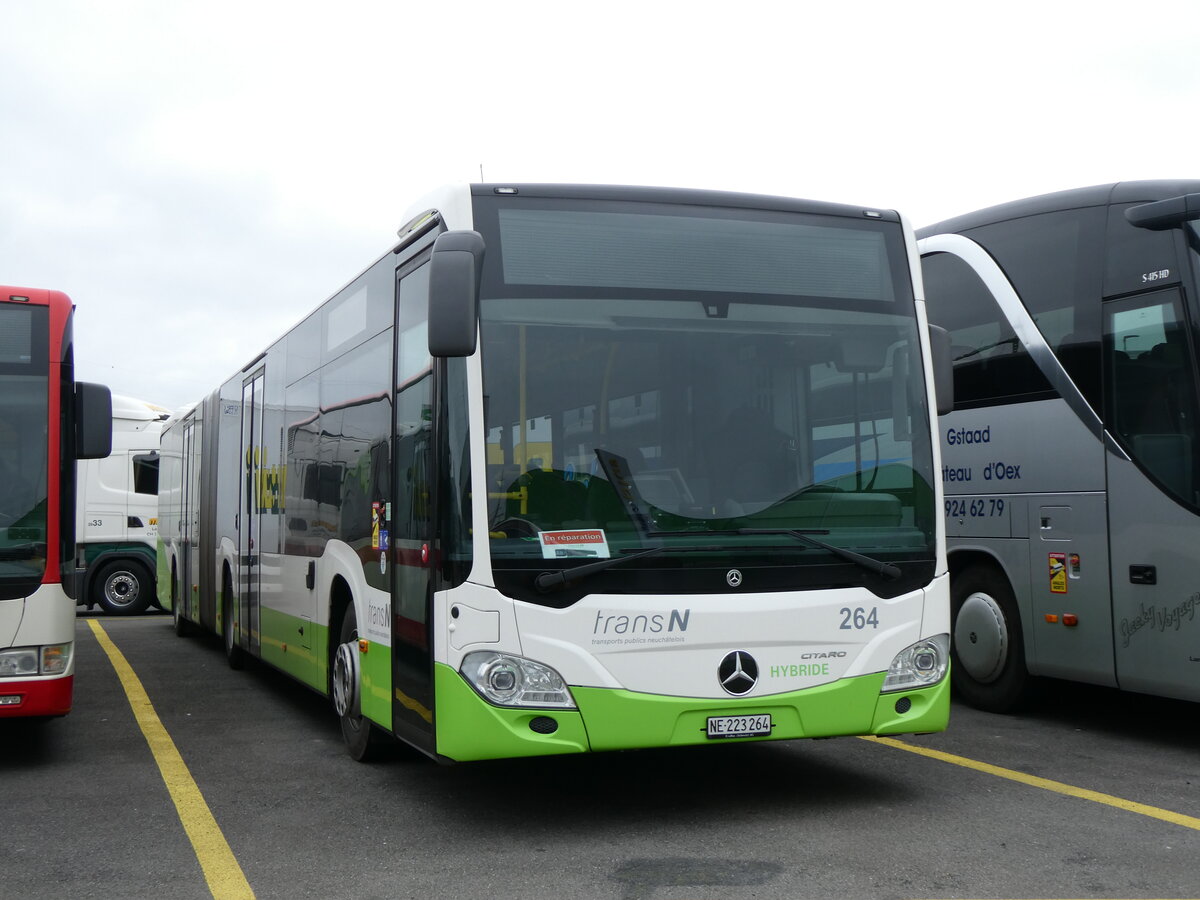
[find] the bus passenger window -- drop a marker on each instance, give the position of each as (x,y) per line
(1152,394)
(990,362)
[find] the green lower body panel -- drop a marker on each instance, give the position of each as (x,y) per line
(163,579)
(469,728)
(287,643)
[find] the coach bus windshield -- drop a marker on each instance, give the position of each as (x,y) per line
(23,447)
(707,388)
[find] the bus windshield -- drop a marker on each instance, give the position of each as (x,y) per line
(23,447)
(703,387)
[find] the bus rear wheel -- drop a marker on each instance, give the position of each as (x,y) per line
(122,588)
(363,740)
(182,626)
(988,650)
(234,655)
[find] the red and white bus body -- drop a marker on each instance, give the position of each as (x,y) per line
(42,413)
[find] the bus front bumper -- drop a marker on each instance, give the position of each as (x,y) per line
(470,728)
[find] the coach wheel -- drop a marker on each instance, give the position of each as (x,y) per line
(234,655)
(363,740)
(122,588)
(988,650)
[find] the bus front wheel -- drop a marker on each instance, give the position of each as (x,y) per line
(363,740)
(988,650)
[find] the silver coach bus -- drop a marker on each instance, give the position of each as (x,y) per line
(1070,467)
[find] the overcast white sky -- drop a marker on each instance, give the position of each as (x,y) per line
(199,175)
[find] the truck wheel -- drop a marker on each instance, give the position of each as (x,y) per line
(123,588)
(988,650)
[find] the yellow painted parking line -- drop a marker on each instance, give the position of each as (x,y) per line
(1045,783)
(224,875)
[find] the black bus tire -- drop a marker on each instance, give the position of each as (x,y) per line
(234,655)
(364,741)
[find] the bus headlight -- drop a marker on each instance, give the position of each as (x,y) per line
(50,660)
(920,665)
(507,680)
(22,661)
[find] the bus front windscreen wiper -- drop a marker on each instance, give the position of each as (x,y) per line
(549,581)
(887,570)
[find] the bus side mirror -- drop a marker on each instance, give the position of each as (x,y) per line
(454,272)
(93,421)
(943,369)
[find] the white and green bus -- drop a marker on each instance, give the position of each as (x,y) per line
(585,468)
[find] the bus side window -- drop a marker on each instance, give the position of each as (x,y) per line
(1053,261)
(1152,395)
(990,363)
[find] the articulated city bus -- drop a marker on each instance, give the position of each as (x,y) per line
(47,422)
(1070,465)
(585,468)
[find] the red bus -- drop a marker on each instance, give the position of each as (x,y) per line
(47,422)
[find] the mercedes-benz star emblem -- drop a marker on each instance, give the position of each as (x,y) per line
(733,577)
(738,672)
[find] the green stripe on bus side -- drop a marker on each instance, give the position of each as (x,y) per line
(164,577)
(283,645)
(468,728)
(376,691)
(304,656)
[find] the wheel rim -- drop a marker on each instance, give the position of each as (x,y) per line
(121,589)
(345,680)
(981,637)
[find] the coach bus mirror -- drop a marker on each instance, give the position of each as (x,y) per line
(93,421)
(943,369)
(1164,214)
(454,271)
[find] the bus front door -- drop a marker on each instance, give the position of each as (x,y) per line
(1153,495)
(253,450)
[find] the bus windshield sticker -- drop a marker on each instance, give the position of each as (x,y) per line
(588,542)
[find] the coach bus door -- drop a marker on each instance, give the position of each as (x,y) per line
(1153,493)
(250,511)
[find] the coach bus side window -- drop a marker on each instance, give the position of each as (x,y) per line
(1054,262)
(990,363)
(1152,396)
